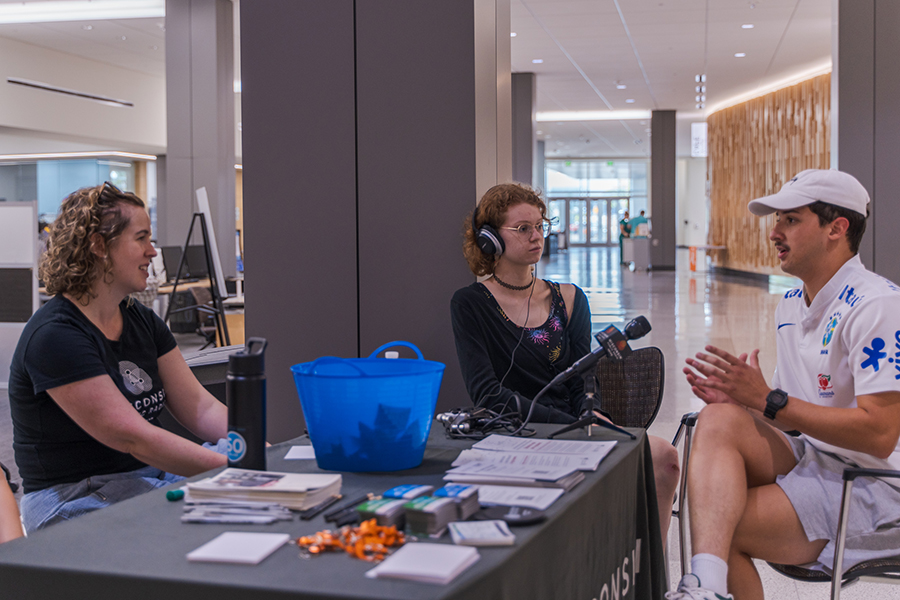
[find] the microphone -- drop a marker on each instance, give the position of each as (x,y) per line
(612,343)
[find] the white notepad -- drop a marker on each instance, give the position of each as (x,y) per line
(427,563)
(239,547)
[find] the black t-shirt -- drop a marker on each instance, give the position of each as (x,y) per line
(59,345)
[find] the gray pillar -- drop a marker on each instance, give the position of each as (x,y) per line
(358,241)
(662,189)
(540,167)
(200,116)
(866,103)
(524,101)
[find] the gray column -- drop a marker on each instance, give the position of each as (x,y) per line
(359,167)
(200,116)
(662,189)
(866,104)
(524,141)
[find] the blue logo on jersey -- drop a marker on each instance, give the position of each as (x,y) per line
(785,325)
(874,354)
(793,293)
(237,446)
(829,329)
(849,296)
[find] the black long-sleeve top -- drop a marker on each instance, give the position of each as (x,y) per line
(485,340)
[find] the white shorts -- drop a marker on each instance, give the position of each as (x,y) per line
(815,487)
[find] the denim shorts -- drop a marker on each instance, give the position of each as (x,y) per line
(69,500)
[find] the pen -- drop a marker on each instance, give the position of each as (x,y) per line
(309,513)
(332,516)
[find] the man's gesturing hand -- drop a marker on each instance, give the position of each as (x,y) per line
(724,378)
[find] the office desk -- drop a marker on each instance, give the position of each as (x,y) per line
(601,540)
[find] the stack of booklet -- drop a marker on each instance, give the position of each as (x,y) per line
(429,515)
(504,460)
(297,491)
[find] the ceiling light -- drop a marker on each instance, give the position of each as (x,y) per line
(700,78)
(512,34)
(621,86)
(747,26)
(740,54)
(80,10)
(700,89)
(237,86)
(629,101)
(592,115)
(762,90)
(537,61)
(123,38)
(111,153)
(87,27)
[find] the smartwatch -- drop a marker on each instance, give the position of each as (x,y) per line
(775,401)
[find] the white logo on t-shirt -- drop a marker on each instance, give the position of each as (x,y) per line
(135,378)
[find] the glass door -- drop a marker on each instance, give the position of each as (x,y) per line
(578,222)
(599,223)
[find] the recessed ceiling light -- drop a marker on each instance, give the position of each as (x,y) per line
(747,26)
(87,27)
(740,54)
(512,34)
(123,38)
(629,101)
(620,86)
(537,61)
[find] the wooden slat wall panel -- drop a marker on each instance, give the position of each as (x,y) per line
(754,148)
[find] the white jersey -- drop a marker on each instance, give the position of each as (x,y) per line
(845,344)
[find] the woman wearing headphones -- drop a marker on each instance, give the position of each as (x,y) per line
(514,333)
(93,369)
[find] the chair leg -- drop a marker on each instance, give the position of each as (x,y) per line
(837,572)
(685,429)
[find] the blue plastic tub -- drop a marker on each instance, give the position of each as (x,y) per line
(369,414)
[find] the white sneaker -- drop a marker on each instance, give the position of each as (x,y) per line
(689,589)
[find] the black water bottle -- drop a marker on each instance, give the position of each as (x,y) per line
(245,393)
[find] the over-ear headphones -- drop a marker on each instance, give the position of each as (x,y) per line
(487,238)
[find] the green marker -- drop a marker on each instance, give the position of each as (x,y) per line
(174,495)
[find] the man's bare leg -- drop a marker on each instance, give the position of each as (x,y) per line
(665,475)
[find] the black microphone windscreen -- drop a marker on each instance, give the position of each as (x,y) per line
(637,328)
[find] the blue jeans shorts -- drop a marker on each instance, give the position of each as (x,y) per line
(69,500)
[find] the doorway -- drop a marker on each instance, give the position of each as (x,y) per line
(588,221)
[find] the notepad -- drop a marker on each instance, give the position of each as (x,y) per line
(427,563)
(239,547)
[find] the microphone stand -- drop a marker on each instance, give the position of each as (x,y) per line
(588,417)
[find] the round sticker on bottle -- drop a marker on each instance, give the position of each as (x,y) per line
(237,446)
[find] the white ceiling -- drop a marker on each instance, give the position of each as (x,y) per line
(653,47)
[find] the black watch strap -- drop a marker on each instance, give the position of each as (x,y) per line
(775,401)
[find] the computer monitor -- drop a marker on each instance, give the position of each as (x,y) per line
(195,266)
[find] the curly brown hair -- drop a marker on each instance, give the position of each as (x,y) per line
(491,210)
(70,264)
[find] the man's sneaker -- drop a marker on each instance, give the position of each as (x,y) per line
(689,589)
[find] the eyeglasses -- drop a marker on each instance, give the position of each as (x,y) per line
(526,229)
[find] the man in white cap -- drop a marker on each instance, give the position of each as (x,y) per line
(757,492)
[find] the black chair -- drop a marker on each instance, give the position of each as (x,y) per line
(631,390)
(882,569)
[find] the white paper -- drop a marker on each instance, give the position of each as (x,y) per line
(508,495)
(481,533)
(536,459)
(506,443)
(239,547)
(300,453)
(427,563)
(505,470)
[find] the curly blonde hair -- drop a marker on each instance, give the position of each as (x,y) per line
(70,265)
(491,210)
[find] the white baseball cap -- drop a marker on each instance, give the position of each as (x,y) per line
(815,185)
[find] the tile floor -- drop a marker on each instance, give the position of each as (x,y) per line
(687,311)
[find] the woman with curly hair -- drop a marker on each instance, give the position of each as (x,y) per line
(93,370)
(514,332)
